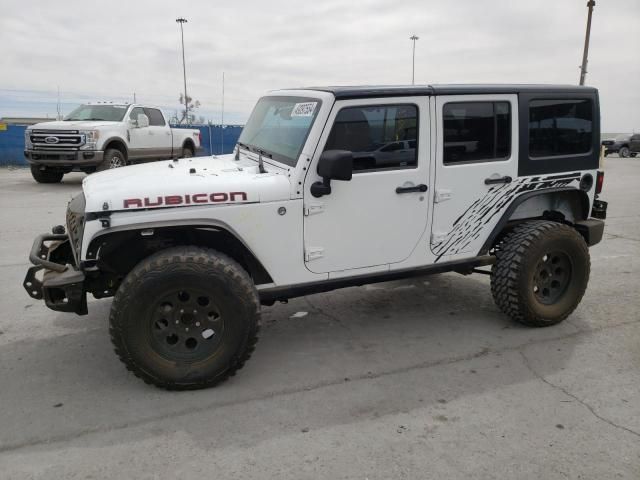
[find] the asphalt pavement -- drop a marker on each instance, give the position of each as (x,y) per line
(422,378)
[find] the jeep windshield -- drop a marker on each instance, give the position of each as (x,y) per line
(279,126)
(107,113)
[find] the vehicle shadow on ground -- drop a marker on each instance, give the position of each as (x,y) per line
(76,384)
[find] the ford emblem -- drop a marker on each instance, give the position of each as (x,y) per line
(51,140)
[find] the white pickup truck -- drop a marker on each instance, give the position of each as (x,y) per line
(99,136)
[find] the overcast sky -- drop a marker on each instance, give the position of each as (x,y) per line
(108,50)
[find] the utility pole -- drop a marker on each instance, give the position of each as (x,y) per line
(58,109)
(585,52)
(222,119)
(181,21)
(413,64)
(134,97)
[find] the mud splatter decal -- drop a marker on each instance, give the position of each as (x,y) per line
(471,223)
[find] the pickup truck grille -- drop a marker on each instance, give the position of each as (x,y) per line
(56,139)
(75,225)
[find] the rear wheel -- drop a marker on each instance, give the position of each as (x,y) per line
(185,318)
(624,152)
(46,175)
(541,273)
(187,152)
(112,159)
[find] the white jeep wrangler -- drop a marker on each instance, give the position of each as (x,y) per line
(330,188)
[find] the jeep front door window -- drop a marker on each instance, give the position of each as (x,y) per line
(380,137)
(279,126)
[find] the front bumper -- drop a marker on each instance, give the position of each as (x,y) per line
(62,286)
(64,158)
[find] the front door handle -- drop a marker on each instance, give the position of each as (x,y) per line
(493,181)
(418,188)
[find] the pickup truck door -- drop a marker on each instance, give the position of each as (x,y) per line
(159,133)
(476,161)
(378,217)
(140,140)
(634,143)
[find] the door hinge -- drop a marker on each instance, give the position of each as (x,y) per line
(442,194)
(313,209)
(313,253)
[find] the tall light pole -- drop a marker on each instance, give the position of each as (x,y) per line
(413,63)
(585,52)
(184,69)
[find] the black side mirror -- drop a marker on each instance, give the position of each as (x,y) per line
(333,165)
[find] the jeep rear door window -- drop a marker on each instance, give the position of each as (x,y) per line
(155,117)
(279,126)
(560,127)
(476,132)
(380,137)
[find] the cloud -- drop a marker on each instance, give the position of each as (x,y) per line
(125,47)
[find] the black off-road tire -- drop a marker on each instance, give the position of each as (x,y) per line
(531,259)
(624,152)
(113,158)
(141,316)
(47,175)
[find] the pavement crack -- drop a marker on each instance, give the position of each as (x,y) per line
(328,315)
(576,398)
(615,235)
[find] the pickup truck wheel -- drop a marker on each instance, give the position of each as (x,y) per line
(187,152)
(46,175)
(624,152)
(112,159)
(541,273)
(185,318)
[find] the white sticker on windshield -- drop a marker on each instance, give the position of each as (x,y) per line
(304,109)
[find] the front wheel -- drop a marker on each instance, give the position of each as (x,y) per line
(185,318)
(624,152)
(541,273)
(112,159)
(46,175)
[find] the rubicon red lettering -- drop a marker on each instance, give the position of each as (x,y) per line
(174,200)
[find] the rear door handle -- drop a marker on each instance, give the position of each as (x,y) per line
(418,188)
(493,181)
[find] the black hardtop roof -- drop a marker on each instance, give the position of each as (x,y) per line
(370,91)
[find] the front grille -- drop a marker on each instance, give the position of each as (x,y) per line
(56,139)
(75,225)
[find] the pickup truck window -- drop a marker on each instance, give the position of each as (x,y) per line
(380,137)
(560,127)
(279,126)
(156,119)
(107,113)
(476,132)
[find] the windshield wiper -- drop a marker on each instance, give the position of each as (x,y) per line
(260,162)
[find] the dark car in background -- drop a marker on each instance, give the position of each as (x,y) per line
(625,145)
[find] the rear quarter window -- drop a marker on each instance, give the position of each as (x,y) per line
(560,127)
(559,131)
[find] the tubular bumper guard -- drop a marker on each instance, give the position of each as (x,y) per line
(62,286)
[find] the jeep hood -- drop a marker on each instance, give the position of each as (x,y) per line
(184,183)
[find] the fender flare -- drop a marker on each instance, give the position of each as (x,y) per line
(584,203)
(118,140)
(92,252)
